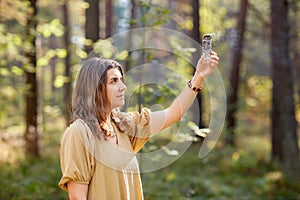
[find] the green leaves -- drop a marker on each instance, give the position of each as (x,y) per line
(14,10)
(17,70)
(104,48)
(44,60)
(61,53)
(54,27)
(153,14)
(60,81)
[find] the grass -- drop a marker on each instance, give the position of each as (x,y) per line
(223,174)
(31,179)
(242,173)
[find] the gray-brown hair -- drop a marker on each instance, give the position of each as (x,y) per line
(89,101)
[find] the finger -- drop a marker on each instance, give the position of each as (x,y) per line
(213,53)
(214,57)
(201,60)
(216,64)
(214,60)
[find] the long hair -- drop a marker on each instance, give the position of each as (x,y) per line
(89,101)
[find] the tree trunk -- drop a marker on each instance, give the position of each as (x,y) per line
(108,18)
(234,75)
(52,64)
(67,84)
(92,25)
(31,96)
(295,48)
(132,25)
(196,37)
(284,135)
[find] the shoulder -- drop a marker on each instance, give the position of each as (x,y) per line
(128,121)
(141,118)
(132,116)
(77,126)
(77,130)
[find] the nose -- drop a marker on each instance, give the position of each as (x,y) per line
(122,86)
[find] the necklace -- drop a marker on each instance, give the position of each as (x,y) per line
(111,134)
(110,131)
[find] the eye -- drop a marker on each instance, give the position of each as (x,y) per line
(114,80)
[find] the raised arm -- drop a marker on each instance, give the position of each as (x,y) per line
(160,120)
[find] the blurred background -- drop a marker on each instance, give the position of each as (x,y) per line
(42,44)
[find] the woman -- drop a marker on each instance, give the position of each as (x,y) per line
(98,148)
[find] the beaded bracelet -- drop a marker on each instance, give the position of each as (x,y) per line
(195,89)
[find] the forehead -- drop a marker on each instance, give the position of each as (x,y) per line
(113,72)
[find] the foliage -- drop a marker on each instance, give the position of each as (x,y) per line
(219,18)
(31,179)
(236,175)
(225,173)
(151,13)
(50,63)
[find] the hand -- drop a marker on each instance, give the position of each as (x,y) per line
(205,68)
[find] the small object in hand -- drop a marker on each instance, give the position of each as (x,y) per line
(206,46)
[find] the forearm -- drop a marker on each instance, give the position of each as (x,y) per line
(164,118)
(183,102)
(186,98)
(77,191)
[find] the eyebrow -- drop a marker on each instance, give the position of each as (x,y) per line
(113,77)
(116,77)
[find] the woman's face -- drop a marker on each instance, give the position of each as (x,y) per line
(115,88)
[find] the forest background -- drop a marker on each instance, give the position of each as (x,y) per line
(43,43)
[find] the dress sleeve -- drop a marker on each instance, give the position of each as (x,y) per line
(77,164)
(140,129)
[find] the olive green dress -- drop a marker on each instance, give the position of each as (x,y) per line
(111,171)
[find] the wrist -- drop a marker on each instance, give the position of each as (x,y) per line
(199,74)
(192,87)
(195,83)
(197,80)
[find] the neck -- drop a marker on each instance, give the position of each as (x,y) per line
(108,116)
(108,119)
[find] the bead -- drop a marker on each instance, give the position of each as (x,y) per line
(195,89)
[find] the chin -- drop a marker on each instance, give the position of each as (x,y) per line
(119,105)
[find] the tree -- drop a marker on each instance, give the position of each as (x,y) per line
(196,37)
(295,44)
(52,63)
(92,25)
(108,18)
(132,25)
(284,133)
(234,74)
(67,84)
(31,95)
